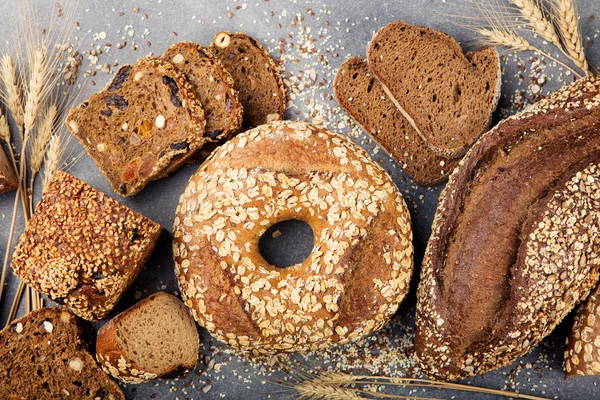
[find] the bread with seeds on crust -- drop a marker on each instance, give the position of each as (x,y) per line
(82,248)
(515,237)
(8,179)
(362,259)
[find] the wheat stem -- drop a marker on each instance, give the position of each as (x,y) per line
(11,233)
(16,302)
(565,15)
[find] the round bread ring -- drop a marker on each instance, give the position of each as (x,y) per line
(357,273)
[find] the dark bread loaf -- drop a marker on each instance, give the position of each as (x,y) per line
(447,96)
(8,179)
(82,248)
(582,352)
(256,78)
(514,240)
(362,96)
(157,337)
(146,119)
(44,355)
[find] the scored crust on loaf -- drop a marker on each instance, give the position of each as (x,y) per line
(82,248)
(448,97)
(513,242)
(157,337)
(146,119)
(360,94)
(8,179)
(582,352)
(44,355)
(256,78)
(362,260)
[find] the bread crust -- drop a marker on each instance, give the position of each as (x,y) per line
(362,260)
(537,289)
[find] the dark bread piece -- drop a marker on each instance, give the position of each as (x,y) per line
(145,120)
(513,247)
(582,352)
(256,78)
(360,94)
(448,97)
(157,337)
(45,355)
(8,179)
(82,248)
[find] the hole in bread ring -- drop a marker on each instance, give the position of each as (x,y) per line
(287,243)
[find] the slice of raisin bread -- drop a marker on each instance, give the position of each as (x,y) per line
(448,97)
(144,120)
(82,248)
(8,179)
(256,78)
(44,355)
(360,94)
(157,337)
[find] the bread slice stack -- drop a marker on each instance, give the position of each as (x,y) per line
(420,97)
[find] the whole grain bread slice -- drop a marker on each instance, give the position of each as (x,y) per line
(147,119)
(8,179)
(448,97)
(157,337)
(360,94)
(44,355)
(514,240)
(256,78)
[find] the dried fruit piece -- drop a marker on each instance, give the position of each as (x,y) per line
(120,78)
(212,134)
(180,146)
(171,123)
(173,90)
(117,101)
(131,170)
(145,128)
(147,166)
(134,139)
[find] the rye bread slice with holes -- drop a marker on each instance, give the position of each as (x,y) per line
(145,120)
(448,97)
(514,244)
(360,94)
(8,179)
(157,337)
(45,355)
(256,78)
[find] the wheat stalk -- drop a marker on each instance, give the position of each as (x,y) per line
(4,129)
(536,18)
(565,15)
(13,94)
(53,156)
(40,142)
(35,89)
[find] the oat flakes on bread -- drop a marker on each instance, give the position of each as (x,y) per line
(447,96)
(514,240)
(82,248)
(8,179)
(357,273)
(256,77)
(145,120)
(45,355)
(360,94)
(156,338)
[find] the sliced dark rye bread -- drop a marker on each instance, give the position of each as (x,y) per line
(157,337)
(360,94)
(513,247)
(213,86)
(256,78)
(145,120)
(448,97)
(44,355)
(8,179)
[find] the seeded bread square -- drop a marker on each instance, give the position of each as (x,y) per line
(82,248)
(147,119)
(8,179)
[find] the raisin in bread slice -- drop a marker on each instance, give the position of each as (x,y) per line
(146,119)
(44,355)
(256,78)
(8,179)
(448,97)
(82,248)
(360,94)
(155,338)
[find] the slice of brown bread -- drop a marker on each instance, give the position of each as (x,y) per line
(514,241)
(362,96)
(256,78)
(155,338)
(82,248)
(8,179)
(44,355)
(147,118)
(448,97)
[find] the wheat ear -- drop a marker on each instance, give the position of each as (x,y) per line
(565,15)
(4,129)
(35,89)
(536,19)
(53,156)
(13,93)
(40,142)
